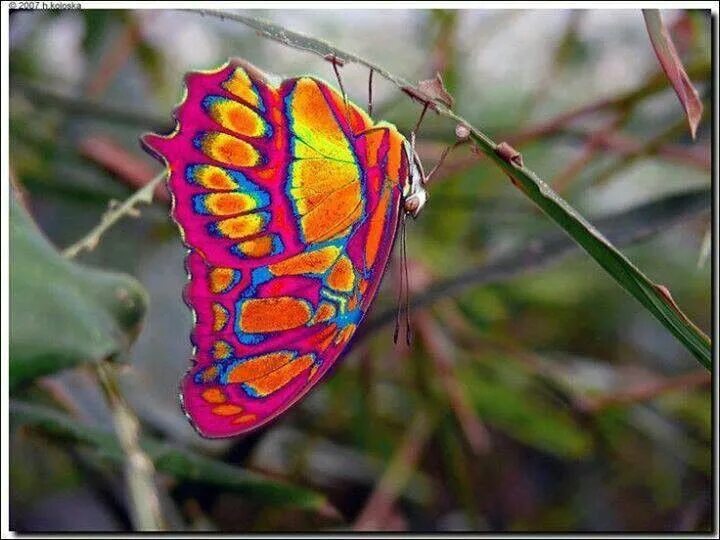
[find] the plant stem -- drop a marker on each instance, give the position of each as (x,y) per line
(113,215)
(139,469)
(393,481)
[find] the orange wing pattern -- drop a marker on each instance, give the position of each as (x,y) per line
(288,200)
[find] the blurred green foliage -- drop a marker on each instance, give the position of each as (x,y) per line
(64,314)
(181,464)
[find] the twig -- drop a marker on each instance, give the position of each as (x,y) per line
(649,147)
(438,348)
(125,116)
(553,376)
(144,500)
(559,58)
(101,480)
(60,393)
(397,474)
(592,146)
(443,53)
(139,469)
(648,391)
(625,145)
(113,215)
(654,84)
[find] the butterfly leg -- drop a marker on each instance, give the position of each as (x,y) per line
(415,130)
(370,99)
(335,62)
(443,156)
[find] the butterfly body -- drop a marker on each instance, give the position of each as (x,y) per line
(288,198)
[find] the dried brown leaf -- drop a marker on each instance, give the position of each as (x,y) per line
(673,68)
(436,91)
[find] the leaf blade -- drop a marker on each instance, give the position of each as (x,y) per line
(627,275)
(178,462)
(63,314)
(673,67)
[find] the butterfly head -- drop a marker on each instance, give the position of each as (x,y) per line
(414,193)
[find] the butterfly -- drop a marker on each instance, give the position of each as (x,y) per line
(288,197)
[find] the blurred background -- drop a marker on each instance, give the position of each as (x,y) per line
(537,395)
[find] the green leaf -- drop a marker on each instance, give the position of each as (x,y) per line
(63,314)
(655,298)
(177,462)
(515,408)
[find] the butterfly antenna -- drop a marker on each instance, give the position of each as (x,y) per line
(403,262)
(342,89)
(370,100)
(408,331)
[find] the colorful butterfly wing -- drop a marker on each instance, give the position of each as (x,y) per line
(288,201)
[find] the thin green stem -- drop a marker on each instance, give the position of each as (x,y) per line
(139,469)
(113,215)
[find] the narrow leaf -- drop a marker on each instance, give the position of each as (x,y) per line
(673,68)
(177,462)
(607,256)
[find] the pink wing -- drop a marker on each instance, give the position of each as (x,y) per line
(288,202)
